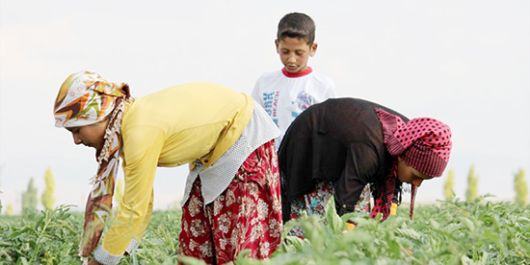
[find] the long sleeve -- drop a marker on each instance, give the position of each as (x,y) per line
(135,210)
(171,127)
(361,165)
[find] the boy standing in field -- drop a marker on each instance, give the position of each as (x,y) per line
(286,93)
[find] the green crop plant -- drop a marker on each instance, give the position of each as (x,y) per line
(521,188)
(449,186)
(29,199)
(449,232)
(472,185)
(48,196)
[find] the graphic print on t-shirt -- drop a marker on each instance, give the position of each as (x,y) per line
(270,104)
(303,101)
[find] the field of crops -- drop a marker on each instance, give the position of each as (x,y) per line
(445,233)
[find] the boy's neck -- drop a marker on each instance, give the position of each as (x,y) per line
(306,71)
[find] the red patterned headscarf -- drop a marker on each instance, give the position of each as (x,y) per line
(86,98)
(424,143)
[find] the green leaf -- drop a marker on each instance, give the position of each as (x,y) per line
(334,221)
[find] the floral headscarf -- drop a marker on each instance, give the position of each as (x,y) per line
(86,98)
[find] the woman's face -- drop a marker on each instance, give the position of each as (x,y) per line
(90,135)
(410,175)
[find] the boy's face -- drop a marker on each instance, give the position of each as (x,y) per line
(90,135)
(295,53)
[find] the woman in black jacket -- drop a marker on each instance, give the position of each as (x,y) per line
(337,147)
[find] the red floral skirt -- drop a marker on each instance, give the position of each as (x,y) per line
(246,216)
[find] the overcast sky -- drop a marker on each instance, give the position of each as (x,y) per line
(466,63)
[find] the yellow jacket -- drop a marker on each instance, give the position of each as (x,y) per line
(169,128)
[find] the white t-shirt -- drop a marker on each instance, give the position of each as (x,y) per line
(285,95)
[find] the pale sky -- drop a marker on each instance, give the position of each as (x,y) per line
(466,63)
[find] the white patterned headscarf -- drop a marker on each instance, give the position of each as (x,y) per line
(86,98)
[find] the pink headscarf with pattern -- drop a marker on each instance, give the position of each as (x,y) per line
(424,143)
(86,98)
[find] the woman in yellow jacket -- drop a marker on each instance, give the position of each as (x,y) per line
(232,194)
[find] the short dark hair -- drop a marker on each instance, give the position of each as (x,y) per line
(297,25)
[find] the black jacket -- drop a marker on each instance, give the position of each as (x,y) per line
(339,140)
